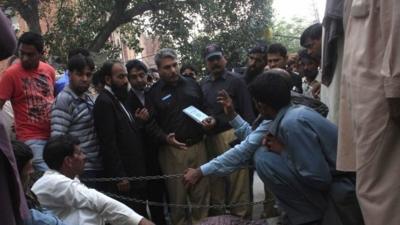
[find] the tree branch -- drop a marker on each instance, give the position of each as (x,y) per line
(138,10)
(119,16)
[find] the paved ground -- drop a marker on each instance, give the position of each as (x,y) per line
(258,190)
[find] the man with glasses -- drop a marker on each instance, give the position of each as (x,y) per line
(72,114)
(61,191)
(234,189)
(29,84)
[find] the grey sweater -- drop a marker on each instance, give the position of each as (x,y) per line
(72,115)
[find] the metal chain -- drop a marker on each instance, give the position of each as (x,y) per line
(160,204)
(142,178)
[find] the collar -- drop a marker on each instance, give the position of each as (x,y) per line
(274,127)
(137,92)
(108,88)
(224,75)
(164,84)
(55,172)
(84,96)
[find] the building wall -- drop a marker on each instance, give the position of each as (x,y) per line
(149,45)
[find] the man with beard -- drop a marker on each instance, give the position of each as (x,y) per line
(64,79)
(136,105)
(256,62)
(277,58)
(310,71)
(235,188)
(72,114)
(119,136)
(29,84)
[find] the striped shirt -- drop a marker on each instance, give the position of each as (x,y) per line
(72,115)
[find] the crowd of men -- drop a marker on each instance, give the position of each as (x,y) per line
(117,121)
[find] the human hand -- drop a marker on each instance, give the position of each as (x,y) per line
(123,186)
(145,221)
(142,114)
(225,100)
(172,141)
(316,91)
(192,176)
(273,144)
(208,123)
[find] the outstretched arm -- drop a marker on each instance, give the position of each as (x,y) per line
(232,159)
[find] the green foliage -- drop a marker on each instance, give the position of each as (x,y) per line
(235,25)
(187,25)
(76,25)
(288,33)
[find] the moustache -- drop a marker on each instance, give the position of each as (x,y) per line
(215,67)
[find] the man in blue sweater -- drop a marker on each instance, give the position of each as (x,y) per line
(298,158)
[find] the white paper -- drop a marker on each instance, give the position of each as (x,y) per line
(195,113)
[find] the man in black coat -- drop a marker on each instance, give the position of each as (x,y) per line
(121,143)
(136,105)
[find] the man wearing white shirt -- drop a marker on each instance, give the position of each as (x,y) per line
(60,190)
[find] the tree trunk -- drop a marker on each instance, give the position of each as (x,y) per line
(113,23)
(33,22)
(119,17)
(29,11)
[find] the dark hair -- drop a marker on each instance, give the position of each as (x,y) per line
(137,64)
(303,55)
(152,70)
(31,38)
(76,51)
(313,32)
(187,66)
(23,153)
(259,48)
(277,48)
(106,69)
(271,88)
(57,148)
(79,62)
(96,79)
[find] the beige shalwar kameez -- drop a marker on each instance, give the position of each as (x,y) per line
(369,141)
